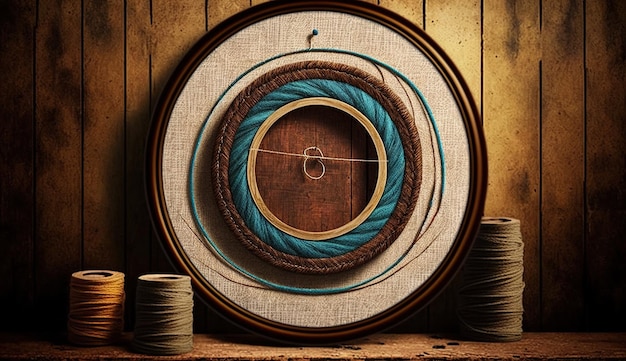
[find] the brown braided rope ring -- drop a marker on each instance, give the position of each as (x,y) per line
(401,118)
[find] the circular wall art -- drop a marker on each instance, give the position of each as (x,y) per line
(317,168)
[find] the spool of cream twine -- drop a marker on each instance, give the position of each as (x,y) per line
(164,315)
(96,309)
(490,297)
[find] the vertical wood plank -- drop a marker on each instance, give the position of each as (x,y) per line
(456,27)
(176,26)
(138,105)
(219,11)
(562,165)
(412,10)
(103,154)
(58,177)
(606,165)
(17,20)
(511,119)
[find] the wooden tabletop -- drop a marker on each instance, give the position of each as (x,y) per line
(533,346)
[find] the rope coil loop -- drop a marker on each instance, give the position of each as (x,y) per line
(318,158)
(317,79)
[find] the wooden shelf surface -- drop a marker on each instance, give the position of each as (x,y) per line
(533,346)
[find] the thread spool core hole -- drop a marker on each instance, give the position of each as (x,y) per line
(98,274)
(496,219)
(168,277)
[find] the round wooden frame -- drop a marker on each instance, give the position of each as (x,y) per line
(467,229)
(381,179)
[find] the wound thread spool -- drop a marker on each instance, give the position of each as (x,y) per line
(164,315)
(96,309)
(490,297)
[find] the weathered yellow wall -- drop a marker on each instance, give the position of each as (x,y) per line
(80,81)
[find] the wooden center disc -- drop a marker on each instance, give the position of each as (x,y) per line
(321,194)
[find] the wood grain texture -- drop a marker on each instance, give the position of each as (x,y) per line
(605,249)
(314,205)
(562,165)
(534,346)
(81,80)
(511,124)
(174,28)
(220,11)
(137,106)
(103,135)
(58,159)
(456,27)
(412,10)
(17,20)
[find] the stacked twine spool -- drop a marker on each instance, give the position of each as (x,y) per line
(164,311)
(164,319)
(490,297)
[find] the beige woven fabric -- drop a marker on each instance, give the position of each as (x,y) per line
(279,35)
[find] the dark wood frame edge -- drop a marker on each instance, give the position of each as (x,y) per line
(418,299)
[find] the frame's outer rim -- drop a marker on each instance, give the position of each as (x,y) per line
(468,228)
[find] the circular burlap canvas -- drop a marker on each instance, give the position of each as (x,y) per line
(292,305)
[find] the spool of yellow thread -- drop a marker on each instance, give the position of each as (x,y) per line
(96,310)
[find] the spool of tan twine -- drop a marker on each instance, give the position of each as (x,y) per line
(96,310)
(490,297)
(164,315)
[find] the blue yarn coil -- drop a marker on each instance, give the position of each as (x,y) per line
(242,198)
(278,286)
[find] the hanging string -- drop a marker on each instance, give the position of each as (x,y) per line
(164,315)
(490,297)
(96,309)
(310,38)
(317,158)
(320,158)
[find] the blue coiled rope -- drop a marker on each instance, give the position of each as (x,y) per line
(274,285)
(242,197)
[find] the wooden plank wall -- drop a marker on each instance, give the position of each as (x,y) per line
(80,79)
